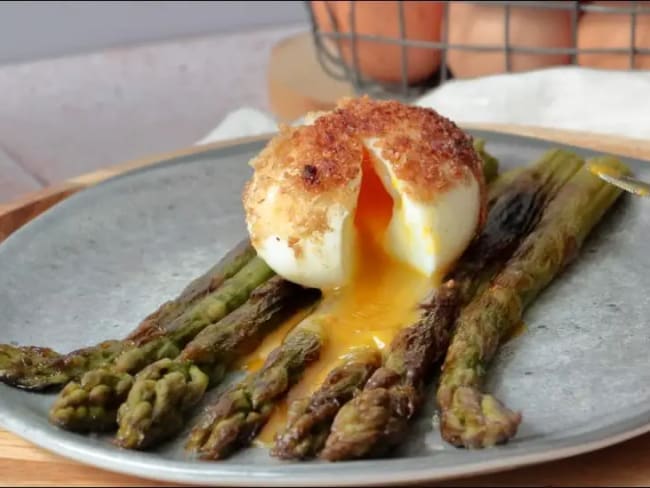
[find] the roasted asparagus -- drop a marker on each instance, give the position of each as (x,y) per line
(166,390)
(159,321)
(114,378)
(238,415)
(469,417)
(309,419)
(490,163)
(14,359)
(36,369)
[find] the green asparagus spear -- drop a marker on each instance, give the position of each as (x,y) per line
(167,389)
(29,368)
(158,322)
(10,355)
(499,184)
(242,411)
(469,417)
(90,405)
(17,358)
(118,371)
(490,163)
(309,419)
(34,373)
(146,416)
(376,419)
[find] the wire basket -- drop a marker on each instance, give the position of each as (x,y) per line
(330,55)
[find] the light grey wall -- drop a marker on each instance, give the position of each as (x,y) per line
(35,30)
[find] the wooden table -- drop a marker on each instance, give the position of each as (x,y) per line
(22,464)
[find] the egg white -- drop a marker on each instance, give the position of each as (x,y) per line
(429,236)
(325,260)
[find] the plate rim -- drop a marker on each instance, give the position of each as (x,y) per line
(623,430)
(229,474)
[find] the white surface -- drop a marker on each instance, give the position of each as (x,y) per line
(36,30)
(609,102)
(575,98)
(60,118)
(245,121)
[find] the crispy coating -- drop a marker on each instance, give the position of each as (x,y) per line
(305,173)
(312,169)
(425,150)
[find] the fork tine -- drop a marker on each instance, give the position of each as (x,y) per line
(627,183)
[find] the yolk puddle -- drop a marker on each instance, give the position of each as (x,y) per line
(255,360)
(380,300)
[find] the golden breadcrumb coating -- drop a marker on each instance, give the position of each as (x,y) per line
(316,168)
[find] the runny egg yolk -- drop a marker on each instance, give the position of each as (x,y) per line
(381,298)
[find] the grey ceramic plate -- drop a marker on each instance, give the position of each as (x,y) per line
(90,268)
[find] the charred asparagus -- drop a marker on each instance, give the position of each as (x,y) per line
(239,414)
(35,372)
(376,419)
(36,369)
(21,358)
(469,417)
(309,419)
(114,378)
(164,391)
(159,321)
(490,163)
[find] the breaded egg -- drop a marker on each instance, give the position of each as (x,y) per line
(381,173)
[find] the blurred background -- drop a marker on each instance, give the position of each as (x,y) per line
(84,85)
(88,84)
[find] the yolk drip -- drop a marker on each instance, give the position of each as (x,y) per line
(255,361)
(374,208)
(381,299)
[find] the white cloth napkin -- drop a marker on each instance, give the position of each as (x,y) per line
(571,97)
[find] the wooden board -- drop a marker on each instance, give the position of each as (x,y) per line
(297,83)
(22,464)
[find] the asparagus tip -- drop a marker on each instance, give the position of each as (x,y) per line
(476,420)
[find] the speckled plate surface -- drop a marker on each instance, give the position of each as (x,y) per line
(93,266)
